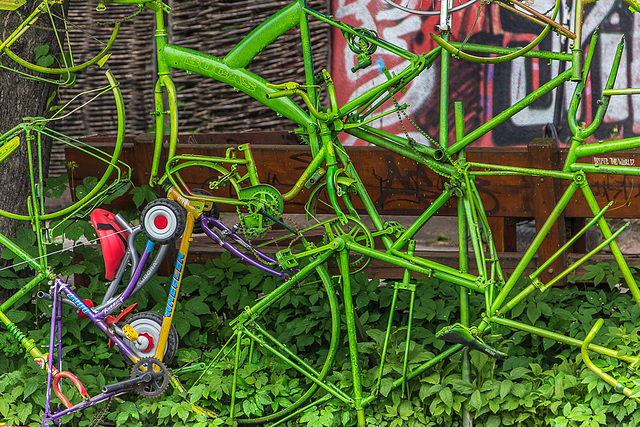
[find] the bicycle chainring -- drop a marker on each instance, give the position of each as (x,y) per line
(356,231)
(261,199)
(159,373)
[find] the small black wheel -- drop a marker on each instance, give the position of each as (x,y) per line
(214,212)
(148,325)
(163,221)
(159,380)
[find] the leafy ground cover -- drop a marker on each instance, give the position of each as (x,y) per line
(542,383)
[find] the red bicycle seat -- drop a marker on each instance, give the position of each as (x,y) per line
(113,240)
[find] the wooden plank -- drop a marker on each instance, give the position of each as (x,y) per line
(398,186)
(546,195)
(203,250)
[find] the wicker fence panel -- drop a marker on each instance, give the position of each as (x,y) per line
(131,65)
(205,105)
(211,26)
(210,106)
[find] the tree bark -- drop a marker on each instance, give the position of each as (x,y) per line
(21,97)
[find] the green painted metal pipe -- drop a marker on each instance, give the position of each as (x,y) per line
(419,370)
(602,169)
(585,258)
(445,59)
(541,54)
(606,147)
(533,248)
(387,338)
(263,35)
(625,91)
(26,289)
(410,232)
(13,247)
(351,334)
(394,145)
(617,385)
(278,292)
(538,285)
(509,112)
(615,250)
(406,282)
(570,242)
(560,338)
(490,168)
(420,265)
(603,104)
(572,112)
(346,28)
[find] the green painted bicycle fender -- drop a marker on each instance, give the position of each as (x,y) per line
(9,147)
(11,4)
(239,78)
(263,35)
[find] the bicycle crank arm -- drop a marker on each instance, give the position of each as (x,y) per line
(276,220)
(127,383)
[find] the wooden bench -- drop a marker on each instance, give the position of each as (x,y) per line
(400,187)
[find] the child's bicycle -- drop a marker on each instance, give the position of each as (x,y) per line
(346,242)
(135,335)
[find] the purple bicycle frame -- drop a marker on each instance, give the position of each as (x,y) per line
(206,226)
(98,318)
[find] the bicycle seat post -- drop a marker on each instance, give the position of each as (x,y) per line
(576,48)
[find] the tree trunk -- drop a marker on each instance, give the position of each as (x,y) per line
(21,97)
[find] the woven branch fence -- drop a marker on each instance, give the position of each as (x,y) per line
(205,105)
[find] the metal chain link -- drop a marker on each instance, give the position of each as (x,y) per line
(248,239)
(102,413)
(413,142)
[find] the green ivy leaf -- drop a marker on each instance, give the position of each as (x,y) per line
(533,312)
(616,397)
(475,401)
(196,306)
(447,396)
(386,386)
(519,372)
(4,406)
(142,194)
(461,386)
(494,421)
(232,294)
(41,50)
(23,411)
(45,61)
(405,410)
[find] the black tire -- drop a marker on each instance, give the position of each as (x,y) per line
(163,221)
(150,322)
(214,212)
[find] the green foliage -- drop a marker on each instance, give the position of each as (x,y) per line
(542,383)
(143,194)
(43,57)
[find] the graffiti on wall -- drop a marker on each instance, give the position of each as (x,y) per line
(486,90)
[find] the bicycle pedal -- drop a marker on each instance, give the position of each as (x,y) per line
(460,334)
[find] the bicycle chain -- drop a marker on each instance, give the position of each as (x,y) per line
(102,413)
(248,239)
(413,142)
(243,229)
(295,225)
